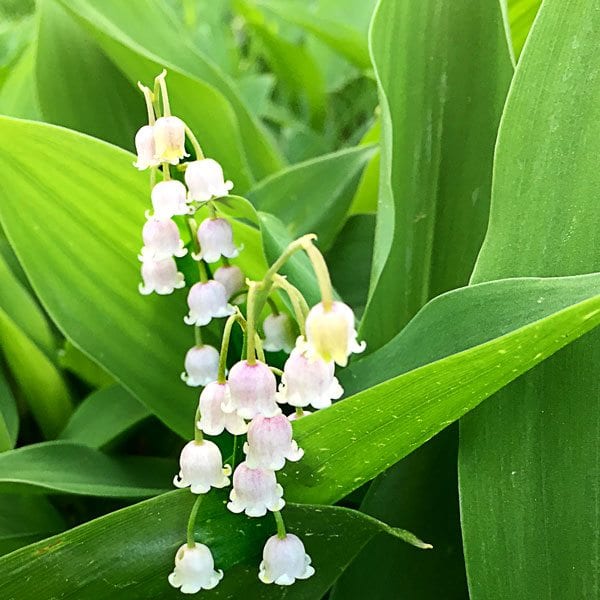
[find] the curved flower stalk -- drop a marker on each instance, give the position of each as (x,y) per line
(247,399)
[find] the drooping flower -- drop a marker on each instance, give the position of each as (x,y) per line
(194,569)
(284,561)
(255,491)
(308,382)
(168,199)
(161,240)
(215,238)
(213,420)
(252,390)
(330,333)
(160,276)
(207,301)
(201,467)
(144,145)
(231,277)
(270,443)
(201,365)
(279,333)
(205,180)
(169,139)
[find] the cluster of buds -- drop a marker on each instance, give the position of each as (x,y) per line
(247,400)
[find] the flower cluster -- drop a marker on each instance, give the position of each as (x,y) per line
(248,400)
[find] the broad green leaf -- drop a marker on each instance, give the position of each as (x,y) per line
(26,519)
(78,86)
(103,416)
(142,36)
(314,196)
(18,95)
(443,69)
(521,14)
(133,551)
(9,417)
(365,198)
(528,457)
(74,360)
(70,468)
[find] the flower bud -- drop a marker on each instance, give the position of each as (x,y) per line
(161,240)
(331,334)
(255,491)
(213,420)
(279,333)
(251,391)
(168,199)
(215,237)
(194,569)
(207,301)
(201,365)
(231,277)
(144,145)
(205,180)
(169,139)
(308,382)
(160,276)
(284,561)
(201,467)
(270,443)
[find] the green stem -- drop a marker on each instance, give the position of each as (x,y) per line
(165,94)
(195,143)
(149,106)
(297,299)
(322,272)
(225,347)
(191,526)
(234,452)
(281,533)
(292,247)
(251,324)
(276,370)
(193,229)
(272,306)
(299,412)
(198,335)
(259,348)
(198,437)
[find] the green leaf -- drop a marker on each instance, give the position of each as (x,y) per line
(528,456)
(521,14)
(71,468)
(145,538)
(74,360)
(18,95)
(313,196)
(441,101)
(9,417)
(103,416)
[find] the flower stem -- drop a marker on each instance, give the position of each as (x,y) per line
(234,452)
(225,346)
(191,526)
(251,324)
(149,107)
(299,412)
(198,437)
(193,229)
(195,143)
(322,272)
(296,298)
(165,95)
(272,306)
(292,247)
(198,335)
(281,533)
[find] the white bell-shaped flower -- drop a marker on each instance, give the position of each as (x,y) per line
(201,467)
(232,279)
(161,240)
(205,180)
(201,365)
(168,199)
(252,390)
(270,443)
(194,569)
(284,561)
(144,146)
(255,491)
(207,301)
(279,333)
(169,139)
(215,238)
(330,333)
(160,276)
(213,420)
(308,381)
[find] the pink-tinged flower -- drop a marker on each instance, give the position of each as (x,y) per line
(194,569)
(270,443)
(252,390)
(144,145)
(255,491)
(207,301)
(161,240)
(231,277)
(160,276)
(215,238)
(168,199)
(169,139)
(279,333)
(284,561)
(201,365)
(330,333)
(308,381)
(201,467)
(205,180)
(213,420)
